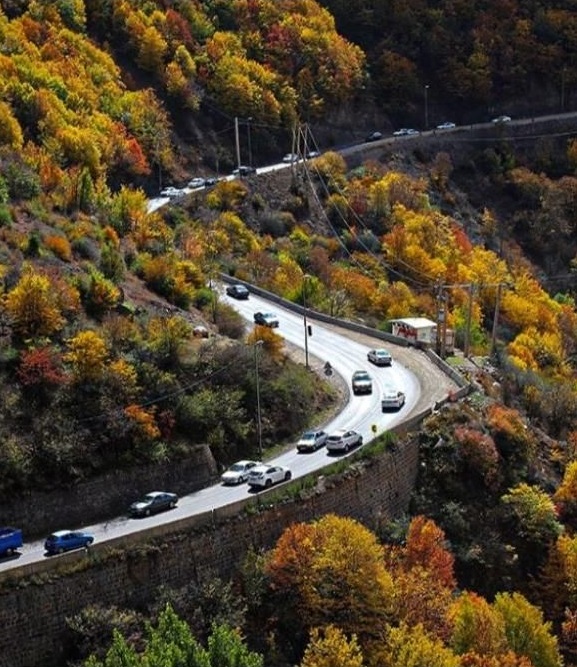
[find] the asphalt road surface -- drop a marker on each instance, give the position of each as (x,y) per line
(411,372)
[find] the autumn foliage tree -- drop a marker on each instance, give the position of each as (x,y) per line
(34,307)
(331,572)
(329,647)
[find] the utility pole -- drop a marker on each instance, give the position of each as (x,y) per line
(237,142)
(305,279)
(257,346)
(467,343)
(440,319)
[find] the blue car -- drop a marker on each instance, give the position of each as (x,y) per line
(67,540)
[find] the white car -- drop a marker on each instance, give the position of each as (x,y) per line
(197,183)
(311,441)
(446,126)
(170,192)
(392,399)
(380,357)
(290,157)
(311,155)
(264,476)
(342,441)
(501,119)
(238,472)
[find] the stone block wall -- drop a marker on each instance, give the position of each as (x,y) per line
(33,611)
(39,513)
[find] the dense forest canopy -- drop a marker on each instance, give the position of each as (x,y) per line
(101,102)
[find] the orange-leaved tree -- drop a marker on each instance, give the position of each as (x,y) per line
(331,571)
(423,578)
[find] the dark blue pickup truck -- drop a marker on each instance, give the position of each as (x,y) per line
(10,541)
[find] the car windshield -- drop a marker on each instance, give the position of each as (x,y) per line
(361,375)
(308,436)
(237,467)
(148,498)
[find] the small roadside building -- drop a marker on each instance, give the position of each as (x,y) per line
(420,331)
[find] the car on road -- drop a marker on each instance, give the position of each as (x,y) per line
(238,472)
(501,119)
(447,125)
(343,440)
(310,441)
(152,503)
(380,357)
(392,399)
(67,540)
(264,476)
(313,154)
(210,181)
(244,170)
(238,291)
(171,191)
(290,158)
(197,182)
(374,136)
(362,383)
(266,320)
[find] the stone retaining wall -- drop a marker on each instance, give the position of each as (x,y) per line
(33,609)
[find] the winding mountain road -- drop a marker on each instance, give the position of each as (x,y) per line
(411,372)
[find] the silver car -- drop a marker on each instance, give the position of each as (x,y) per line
(362,383)
(311,441)
(342,441)
(380,357)
(238,472)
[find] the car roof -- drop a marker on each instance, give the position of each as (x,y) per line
(381,350)
(157,493)
(60,533)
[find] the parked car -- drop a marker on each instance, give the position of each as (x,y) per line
(290,158)
(411,132)
(244,170)
(238,291)
(170,192)
(264,476)
(343,440)
(501,119)
(266,320)
(446,126)
(392,399)
(197,182)
(10,541)
(152,503)
(362,383)
(374,136)
(238,472)
(210,181)
(380,357)
(311,441)
(67,540)
(313,154)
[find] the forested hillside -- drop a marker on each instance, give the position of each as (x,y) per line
(102,102)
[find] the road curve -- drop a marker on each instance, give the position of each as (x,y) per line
(347,352)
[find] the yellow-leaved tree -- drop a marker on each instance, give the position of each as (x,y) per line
(34,306)
(87,354)
(329,647)
(331,571)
